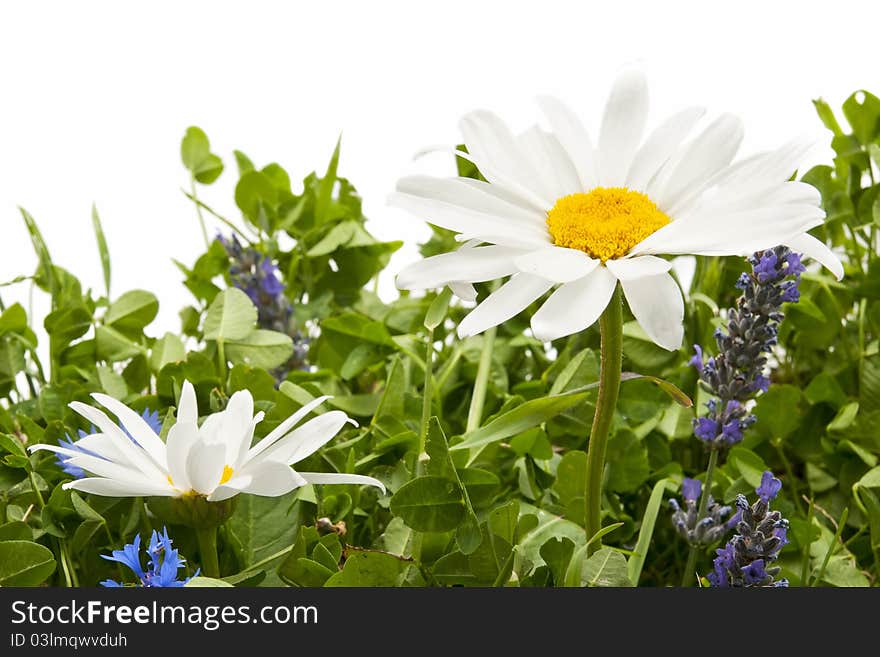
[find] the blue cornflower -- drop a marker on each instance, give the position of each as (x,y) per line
(761,534)
(63,460)
(163,562)
(736,374)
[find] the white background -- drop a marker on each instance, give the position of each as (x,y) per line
(95,96)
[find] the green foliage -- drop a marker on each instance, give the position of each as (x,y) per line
(496,504)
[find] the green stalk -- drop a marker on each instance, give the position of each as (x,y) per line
(221,357)
(208,551)
(611,329)
(832,547)
(426,403)
(484,369)
(70,578)
(805,565)
(701,511)
(418,466)
(192,184)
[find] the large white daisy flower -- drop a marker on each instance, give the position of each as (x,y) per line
(559,212)
(214,459)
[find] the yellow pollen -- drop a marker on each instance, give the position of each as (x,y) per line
(170,480)
(604,223)
(227,474)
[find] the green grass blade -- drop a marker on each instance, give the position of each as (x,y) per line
(41,250)
(103,251)
(637,560)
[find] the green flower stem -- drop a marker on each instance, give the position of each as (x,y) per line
(144,515)
(484,369)
(70,577)
(221,360)
(192,185)
(611,329)
(689,569)
(805,556)
(207,538)
(427,393)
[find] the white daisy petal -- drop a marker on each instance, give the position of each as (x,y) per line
(552,164)
(733,234)
(104,468)
(245,445)
(622,127)
(464,291)
(272,478)
(660,146)
(574,139)
(117,488)
(507,196)
(104,446)
(485,263)
(340,478)
(512,240)
(238,425)
(181,438)
(813,248)
(523,195)
(282,429)
(303,441)
(96,465)
(204,466)
(759,194)
(657,305)
(574,306)
(778,165)
(464,220)
(475,195)
(509,300)
(704,157)
(136,426)
(627,269)
(231,488)
(187,409)
(556,264)
(134,454)
(497,153)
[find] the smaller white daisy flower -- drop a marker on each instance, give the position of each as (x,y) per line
(214,459)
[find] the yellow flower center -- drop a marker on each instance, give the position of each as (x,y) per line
(227,474)
(604,223)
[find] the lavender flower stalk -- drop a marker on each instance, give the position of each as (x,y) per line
(761,533)
(257,276)
(736,374)
(698,529)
